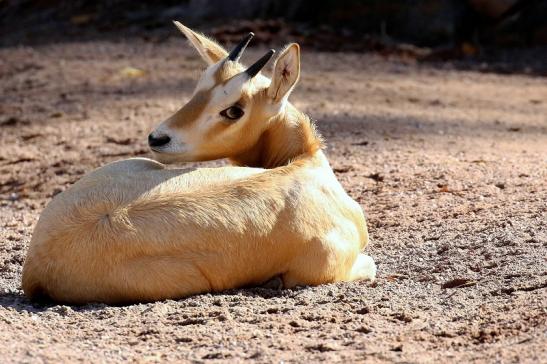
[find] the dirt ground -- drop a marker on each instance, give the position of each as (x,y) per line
(449,166)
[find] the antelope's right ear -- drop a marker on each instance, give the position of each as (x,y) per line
(286,73)
(209,50)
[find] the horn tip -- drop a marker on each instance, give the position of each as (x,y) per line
(258,65)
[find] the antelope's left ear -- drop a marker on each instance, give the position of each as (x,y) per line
(286,73)
(209,50)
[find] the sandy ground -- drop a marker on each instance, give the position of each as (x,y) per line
(449,166)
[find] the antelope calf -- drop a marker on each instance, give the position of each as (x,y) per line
(134,231)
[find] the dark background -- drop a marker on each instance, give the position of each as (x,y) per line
(510,35)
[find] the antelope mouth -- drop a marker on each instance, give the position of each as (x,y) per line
(159,150)
(165,157)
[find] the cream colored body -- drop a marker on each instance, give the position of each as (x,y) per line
(136,231)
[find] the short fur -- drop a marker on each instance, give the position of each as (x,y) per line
(134,231)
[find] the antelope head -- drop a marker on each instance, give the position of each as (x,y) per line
(231,106)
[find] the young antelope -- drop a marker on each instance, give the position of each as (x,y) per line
(135,231)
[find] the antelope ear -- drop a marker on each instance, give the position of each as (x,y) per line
(209,50)
(286,73)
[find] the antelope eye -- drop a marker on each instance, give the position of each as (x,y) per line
(232,113)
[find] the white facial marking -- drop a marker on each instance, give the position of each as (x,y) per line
(207,81)
(205,124)
(226,95)
(175,145)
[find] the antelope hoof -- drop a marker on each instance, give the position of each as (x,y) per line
(364,268)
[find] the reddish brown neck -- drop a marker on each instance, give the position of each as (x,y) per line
(289,135)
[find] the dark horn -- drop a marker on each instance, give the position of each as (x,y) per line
(259,65)
(236,53)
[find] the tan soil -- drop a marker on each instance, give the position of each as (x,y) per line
(449,166)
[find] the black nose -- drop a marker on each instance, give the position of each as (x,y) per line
(158,141)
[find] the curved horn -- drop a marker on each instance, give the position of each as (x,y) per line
(258,65)
(236,53)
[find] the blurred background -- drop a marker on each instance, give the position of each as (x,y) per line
(502,35)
